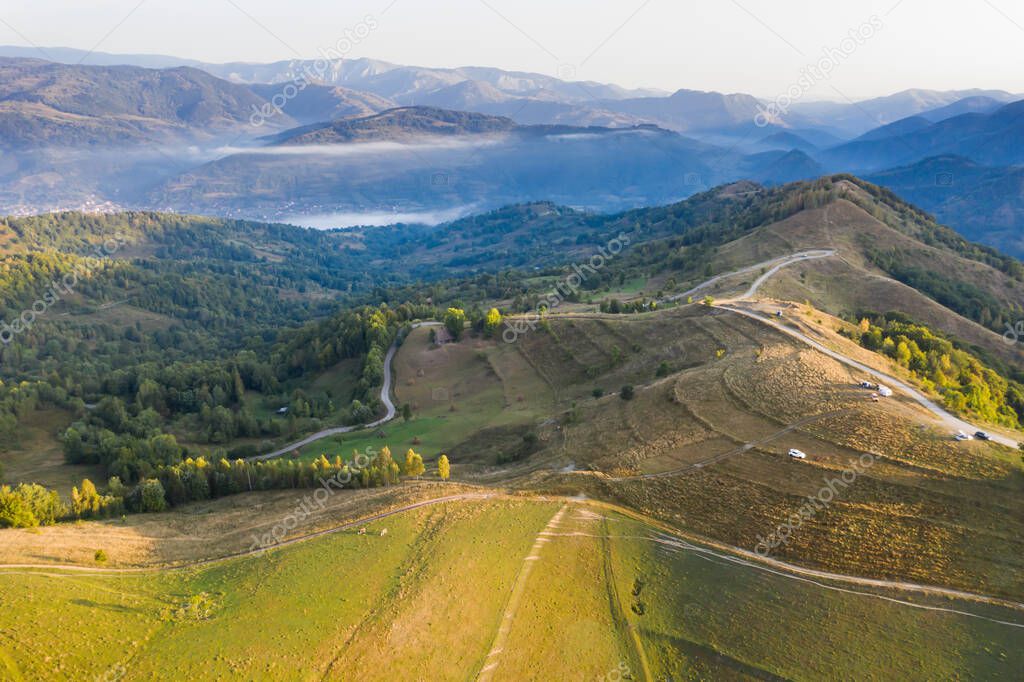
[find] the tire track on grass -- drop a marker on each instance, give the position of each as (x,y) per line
(615,601)
(501,637)
(37,569)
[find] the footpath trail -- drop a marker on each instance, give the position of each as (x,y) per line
(518,590)
(661,533)
(40,569)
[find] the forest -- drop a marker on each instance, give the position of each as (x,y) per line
(966,385)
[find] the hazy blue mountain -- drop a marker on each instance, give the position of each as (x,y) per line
(783,140)
(71,55)
(779,167)
(996,138)
(425,159)
(856,118)
(979,104)
(984,203)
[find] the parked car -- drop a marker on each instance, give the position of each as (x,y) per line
(960,435)
(796,454)
(981,435)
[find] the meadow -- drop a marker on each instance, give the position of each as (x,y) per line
(504,589)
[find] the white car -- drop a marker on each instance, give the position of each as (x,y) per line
(960,435)
(796,454)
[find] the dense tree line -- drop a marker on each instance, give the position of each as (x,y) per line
(964,382)
(197,479)
(124,431)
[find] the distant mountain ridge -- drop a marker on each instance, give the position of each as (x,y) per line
(985,203)
(398,124)
(859,117)
(995,138)
(531,98)
(45,103)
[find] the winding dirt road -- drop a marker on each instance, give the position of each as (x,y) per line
(950,421)
(775,263)
(385,397)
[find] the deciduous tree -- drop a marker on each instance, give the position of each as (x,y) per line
(413,463)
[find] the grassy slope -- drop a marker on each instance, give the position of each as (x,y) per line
(323,607)
(37,456)
(850,283)
(927,509)
(455,390)
(370,607)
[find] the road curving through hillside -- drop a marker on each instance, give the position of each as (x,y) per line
(385,397)
(949,420)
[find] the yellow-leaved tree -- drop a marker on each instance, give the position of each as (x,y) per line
(413,464)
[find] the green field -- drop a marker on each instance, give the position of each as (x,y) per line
(507,590)
(455,391)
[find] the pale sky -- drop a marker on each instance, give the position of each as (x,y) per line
(753,46)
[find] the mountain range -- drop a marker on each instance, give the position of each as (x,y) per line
(232,138)
(44,103)
(538,98)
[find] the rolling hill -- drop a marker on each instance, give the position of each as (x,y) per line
(48,104)
(396,125)
(313,102)
(638,435)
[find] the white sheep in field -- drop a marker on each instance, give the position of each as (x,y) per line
(383,532)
